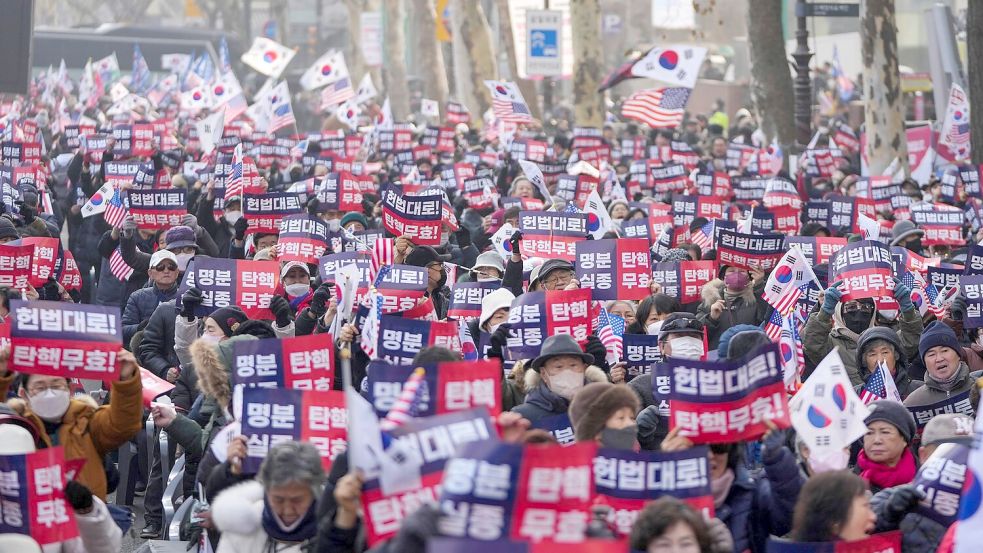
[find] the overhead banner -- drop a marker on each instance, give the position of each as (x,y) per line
(552,235)
(415,217)
(683,280)
(33,497)
(65,339)
(749,251)
(728,400)
(273,416)
(534,316)
(302,238)
(158,209)
(466,298)
(299,363)
(865,268)
(614,268)
(224,282)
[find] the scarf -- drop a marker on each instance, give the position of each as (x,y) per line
(747,294)
(720,487)
(300,302)
(302,530)
(884,476)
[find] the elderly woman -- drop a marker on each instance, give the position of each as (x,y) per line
(886,459)
(277,511)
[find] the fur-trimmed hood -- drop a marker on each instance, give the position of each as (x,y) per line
(239,509)
(214,377)
(713,291)
(531,379)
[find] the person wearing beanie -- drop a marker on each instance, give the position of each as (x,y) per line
(946,374)
(551,379)
(354,222)
(618,210)
(8,233)
(733,298)
(725,338)
(881,345)
(907,235)
(605,413)
(886,459)
(433,261)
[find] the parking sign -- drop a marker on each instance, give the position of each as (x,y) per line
(543,40)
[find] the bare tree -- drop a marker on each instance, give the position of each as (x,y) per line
(883,107)
(527,87)
(395,66)
(353,57)
(474,57)
(974,47)
(433,70)
(588,68)
(771,79)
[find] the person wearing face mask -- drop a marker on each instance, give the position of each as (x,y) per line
(553,378)
(881,345)
(223,229)
(296,279)
(76,424)
(488,267)
(733,298)
(605,413)
(946,374)
(906,235)
(835,323)
(433,262)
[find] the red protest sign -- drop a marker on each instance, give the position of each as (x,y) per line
(467,384)
(554,494)
(33,497)
(568,312)
(153,387)
(44,258)
(71,276)
(16,265)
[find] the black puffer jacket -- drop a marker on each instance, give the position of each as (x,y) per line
(156,351)
(141,305)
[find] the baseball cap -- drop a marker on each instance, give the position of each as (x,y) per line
(948,428)
(162,255)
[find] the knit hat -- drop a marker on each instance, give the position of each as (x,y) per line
(895,414)
(723,345)
(421,256)
(179,237)
(228,319)
(7,229)
(499,299)
(557,345)
(674,255)
(354,217)
(938,334)
(903,230)
(594,404)
(873,333)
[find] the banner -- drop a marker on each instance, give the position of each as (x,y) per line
(668,178)
(641,352)
(401,286)
(152,387)
(415,217)
(401,339)
(739,394)
(534,316)
(65,339)
(302,238)
(44,258)
(552,235)
(941,479)
(300,363)
(265,211)
(447,387)
(942,224)
(16,266)
(273,416)
(959,403)
(614,268)
(887,542)
(712,183)
(158,209)
(224,282)
(466,298)
(749,189)
(865,268)
(341,191)
(687,208)
(683,280)
(33,497)
(749,251)
(817,250)
(880,189)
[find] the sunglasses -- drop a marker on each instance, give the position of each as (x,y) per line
(166,267)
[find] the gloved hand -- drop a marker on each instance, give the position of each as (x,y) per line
(78,496)
(595,347)
(240,228)
(319,301)
(903,499)
(312,206)
(958,308)
(190,220)
(648,423)
(463,237)
(28,213)
(498,340)
(281,310)
(129,226)
(515,240)
(833,296)
(903,294)
(189,302)
(772,444)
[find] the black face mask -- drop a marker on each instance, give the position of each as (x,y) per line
(857,321)
(623,438)
(915,245)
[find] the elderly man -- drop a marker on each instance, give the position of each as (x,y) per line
(946,374)
(162,287)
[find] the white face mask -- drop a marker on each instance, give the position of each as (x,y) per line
(653,328)
(182,261)
(566,383)
(888,314)
(826,461)
(333,224)
(211,339)
(294,290)
(50,405)
(493,328)
(232,216)
(686,347)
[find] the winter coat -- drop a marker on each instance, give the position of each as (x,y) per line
(748,308)
(156,352)
(541,402)
(918,532)
(89,431)
(819,337)
(109,290)
(933,392)
(654,428)
(220,232)
(141,305)
(512,279)
(238,513)
(83,232)
(902,378)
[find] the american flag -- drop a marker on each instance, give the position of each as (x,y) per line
(457,113)
(370,328)
(792,353)
(234,182)
(511,112)
(773,328)
(923,295)
(300,148)
(140,77)
(116,209)
(657,107)
(407,405)
(703,237)
(383,252)
(336,93)
(380,276)
(611,331)
(118,266)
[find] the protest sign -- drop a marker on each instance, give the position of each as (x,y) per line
(614,268)
(273,416)
(683,280)
(16,266)
(385,385)
(887,542)
(65,339)
(446,387)
(553,493)
(415,217)
(328,266)
(158,209)
(224,282)
(302,238)
(817,250)
(33,497)
(667,178)
(971,288)
(558,426)
(740,394)
(466,298)
(44,258)
(534,316)
(402,286)
(957,403)
(152,387)
(265,211)
(865,268)
(942,223)
(301,363)
(341,191)
(71,276)
(749,189)
(749,251)
(712,183)
(686,208)
(641,352)
(941,479)
(552,235)
(944,277)
(401,339)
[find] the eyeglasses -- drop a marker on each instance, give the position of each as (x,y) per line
(850,307)
(165,267)
(559,278)
(40,389)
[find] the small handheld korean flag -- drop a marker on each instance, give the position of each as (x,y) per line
(347,114)
(598,219)
(268,57)
(210,130)
(327,69)
(826,411)
(535,176)
(366,89)
(429,107)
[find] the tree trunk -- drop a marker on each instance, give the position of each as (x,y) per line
(354,58)
(974,50)
(588,69)
(474,57)
(432,68)
(395,65)
(527,87)
(771,86)
(883,107)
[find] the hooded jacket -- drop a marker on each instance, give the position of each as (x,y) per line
(89,431)
(238,513)
(933,391)
(541,402)
(902,380)
(747,308)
